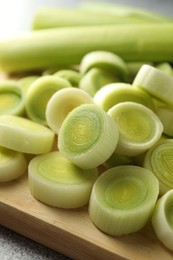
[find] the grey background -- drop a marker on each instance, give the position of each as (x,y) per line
(16,17)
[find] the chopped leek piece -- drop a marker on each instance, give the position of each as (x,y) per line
(95,79)
(166,68)
(165,114)
(61,103)
(12,164)
(159,160)
(162,219)
(23,135)
(155,82)
(55,181)
(11,98)
(139,127)
(122,199)
(88,136)
(39,94)
(104,60)
(26,82)
(72,76)
(114,93)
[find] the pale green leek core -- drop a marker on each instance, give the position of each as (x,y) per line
(104,60)
(55,181)
(88,136)
(162,219)
(23,135)
(122,199)
(11,98)
(159,159)
(61,103)
(156,82)
(114,93)
(139,128)
(39,94)
(12,164)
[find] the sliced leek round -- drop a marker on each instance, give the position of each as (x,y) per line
(139,127)
(165,114)
(95,79)
(12,164)
(155,82)
(105,60)
(122,199)
(61,103)
(23,135)
(26,82)
(39,94)
(114,93)
(166,68)
(57,182)
(72,76)
(159,159)
(88,136)
(11,98)
(162,219)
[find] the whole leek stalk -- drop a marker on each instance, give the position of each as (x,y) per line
(65,46)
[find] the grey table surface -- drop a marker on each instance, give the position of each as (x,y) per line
(16,17)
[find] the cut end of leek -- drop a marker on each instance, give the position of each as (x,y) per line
(88,136)
(139,127)
(122,199)
(57,182)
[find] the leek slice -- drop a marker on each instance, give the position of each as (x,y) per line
(11,98)
(166,68)
(57,182)
(122,199)
(39,94)
(114,93)
(162,219)
(159,160)
(23,135)
(88,136)
(139,127)
(61,103)
(105,60)
(95,79)
(72,76)
(12,164)
(155,82)
(26,82)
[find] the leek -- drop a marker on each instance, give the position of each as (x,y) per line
(72,76)
(88,136)
(57,182)
(122,199)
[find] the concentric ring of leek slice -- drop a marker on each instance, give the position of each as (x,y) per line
(57,182)
(39,94)
(23,135)
(104,60)
(155,82)
(11,99)
(88,136)
(61,103)
(159,159)
(139,127)
(95,79)
(72,76)
(122,199)
(162,219)
(115,93)
(12,164)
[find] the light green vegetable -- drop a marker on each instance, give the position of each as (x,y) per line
(139,128)
(88,136)
(23,135)
(55,181)
(122,199)
(166,68)
(72,76)
(67,46)
(162,219)
(12,164)
(39,94)
(61,103)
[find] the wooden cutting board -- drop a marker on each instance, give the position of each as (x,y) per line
(71,232)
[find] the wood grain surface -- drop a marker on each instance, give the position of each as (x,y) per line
(71,232)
